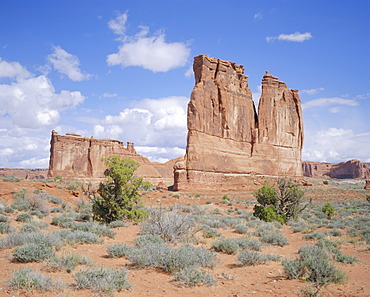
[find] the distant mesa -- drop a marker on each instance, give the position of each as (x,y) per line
(227,140)
(350,169)
(73,156)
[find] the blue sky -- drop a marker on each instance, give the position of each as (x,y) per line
(122,70)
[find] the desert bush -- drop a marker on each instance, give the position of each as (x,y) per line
(56,209)
(118,250)
(274,238)
(328,210)
(211,233)
(53,239)
(102,280)
(63,221)
(251,244)
(55,200)
(5,228)
(67,262)
(334,232)
(8,209)
(315,235)
(24,217)
(116,224)
(28,280)
(313,263)
(94,227)
(81,237)
(11,178)
(192,277)
(170,226)
(280,204)
(241,228)
(29,228)
(4,219)
(118,195)
(143,240)
(251,258)
(32,252)
(225,245)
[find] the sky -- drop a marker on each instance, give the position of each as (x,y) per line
(122,69)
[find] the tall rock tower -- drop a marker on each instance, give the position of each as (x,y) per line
(226,137)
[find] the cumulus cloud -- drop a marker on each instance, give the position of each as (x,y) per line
(295,37)
(312,91)
(33,103)
(150,122)
(328,102)
(142,50)
(13,69)
(336,145)
(67,64)
(35,163)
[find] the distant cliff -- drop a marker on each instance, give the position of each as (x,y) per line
(349,169)
(73,156)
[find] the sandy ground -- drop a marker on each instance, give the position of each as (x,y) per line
(233,280)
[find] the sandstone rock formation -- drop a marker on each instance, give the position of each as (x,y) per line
(349,169)
(227,139)
(73,156)
(367,185)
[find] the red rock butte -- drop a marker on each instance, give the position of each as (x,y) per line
(227,139)
(73,156)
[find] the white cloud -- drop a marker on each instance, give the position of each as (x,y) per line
(189,72)
(149,52)
(32,102)
(13,69)
(109,95)
(329,101)
(66,63)
(295,37)
(35,163)
(258,16)
(6,152)
(312,91)
(118,24)
(335,145)
(150,122)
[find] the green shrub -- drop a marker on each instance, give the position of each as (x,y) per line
(118,195)
(281,204)
(82,237)
(325,182)
(102,280)
(328,210)
(28,280)
(143,240)
(211,233)
(32,252)
(315,235)
(94,227)
(241,228)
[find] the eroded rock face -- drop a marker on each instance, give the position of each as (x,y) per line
(73,156)
(349,169)
(227,139)
(367,185)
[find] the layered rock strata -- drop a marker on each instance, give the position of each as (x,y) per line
(227,139)
(350,169)
(73,156)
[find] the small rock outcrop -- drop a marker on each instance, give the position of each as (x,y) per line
(227,139)
(349,169)
(73,156)
(367,185)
